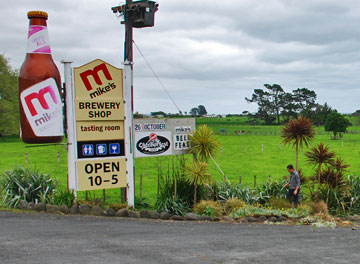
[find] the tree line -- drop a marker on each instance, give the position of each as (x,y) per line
(9,102)
(277,106)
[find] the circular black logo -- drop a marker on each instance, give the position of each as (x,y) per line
(153,144)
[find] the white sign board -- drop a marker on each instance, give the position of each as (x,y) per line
(159,137)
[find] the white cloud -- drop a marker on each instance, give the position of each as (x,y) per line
(206,51)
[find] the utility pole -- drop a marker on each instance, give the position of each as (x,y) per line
(128,35)
(137,14)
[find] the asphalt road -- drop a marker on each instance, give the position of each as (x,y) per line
(51,238)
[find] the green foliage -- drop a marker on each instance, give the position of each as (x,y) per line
(273,189)
(232,205)
(230,191)
(203,143)
(24,184)
(64,196)
(210,208)
(336,123)
(197,174)
(175,206)
(9,102)
(175,187)
(141,203)
(252,210)
(279,203)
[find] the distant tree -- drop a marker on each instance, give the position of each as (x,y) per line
(158,113)
(304,100)
(270,102)
(138,115)
(336,123)
(319,114)
(194,111)
(9,102)
(289,107)
(298,131)
(202,110)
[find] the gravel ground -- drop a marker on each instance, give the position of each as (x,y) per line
(29,237)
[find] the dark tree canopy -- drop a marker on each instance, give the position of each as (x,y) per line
(202,110)
(276,104)
(270,102)
(336,123)
(198,111)
(9,102)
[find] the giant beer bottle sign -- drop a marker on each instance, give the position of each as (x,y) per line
(99,114)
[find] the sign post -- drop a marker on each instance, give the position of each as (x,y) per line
(101,153)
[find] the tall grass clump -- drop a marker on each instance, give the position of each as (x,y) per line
(64,196)
(25,184)
(176,192)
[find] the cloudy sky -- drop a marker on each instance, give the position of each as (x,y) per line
(208,52)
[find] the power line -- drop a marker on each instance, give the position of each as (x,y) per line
(157,77)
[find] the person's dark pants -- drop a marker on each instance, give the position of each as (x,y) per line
(290,196)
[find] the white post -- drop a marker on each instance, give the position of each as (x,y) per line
(129,137)
(72,151)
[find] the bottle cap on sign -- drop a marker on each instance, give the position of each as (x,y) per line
(40,14)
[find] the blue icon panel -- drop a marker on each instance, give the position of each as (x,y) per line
(114,148)
(100,149)
(88,150)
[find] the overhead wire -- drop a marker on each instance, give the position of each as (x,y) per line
(157,77)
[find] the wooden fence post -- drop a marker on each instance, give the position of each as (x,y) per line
(262,147)
(141,186)
(240,179)
(26,158)
(255,181)
(58,157)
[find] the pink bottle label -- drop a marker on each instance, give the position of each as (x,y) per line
(38,40)
(43,108)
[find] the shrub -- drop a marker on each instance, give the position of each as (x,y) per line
(279,203)
(232,205)
(64,196)
(24,184)
(319,208)
(117,206)
(175,177)
(141,203)
(210,208)
(174,207)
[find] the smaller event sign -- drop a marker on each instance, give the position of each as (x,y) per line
(159,137)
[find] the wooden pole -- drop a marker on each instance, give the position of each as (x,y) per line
(240,179)
(26,158)
(141,186)
(255,181)
(58,157)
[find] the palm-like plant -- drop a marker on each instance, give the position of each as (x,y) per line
(319,156)
(203,143)
(197,174)
(298,131)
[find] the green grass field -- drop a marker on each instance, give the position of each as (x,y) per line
(239,155)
